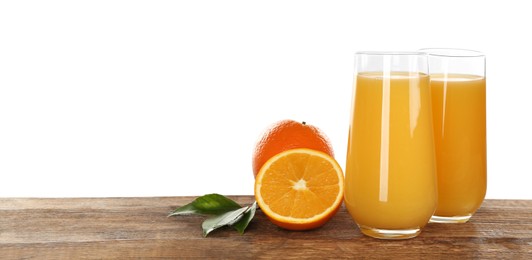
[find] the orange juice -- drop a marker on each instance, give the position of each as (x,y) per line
(390,167)
(459,114)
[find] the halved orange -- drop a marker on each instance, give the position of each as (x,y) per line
(300,189)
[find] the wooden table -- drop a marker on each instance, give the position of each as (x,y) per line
(78,228)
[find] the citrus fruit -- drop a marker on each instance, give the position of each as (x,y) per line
(288,134)
(300,189)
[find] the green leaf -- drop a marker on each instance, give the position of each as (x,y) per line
(210,204)
(242,224)
(223,211)
(228,218)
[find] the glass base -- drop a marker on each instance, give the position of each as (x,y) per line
(390,233)
(453,219)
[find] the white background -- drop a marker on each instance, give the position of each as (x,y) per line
(166,98)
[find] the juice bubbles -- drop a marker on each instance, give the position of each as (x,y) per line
(459,114)
(391,189)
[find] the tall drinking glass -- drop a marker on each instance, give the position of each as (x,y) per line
(391,189)
(458,86)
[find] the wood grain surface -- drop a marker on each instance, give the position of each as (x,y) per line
(107,228)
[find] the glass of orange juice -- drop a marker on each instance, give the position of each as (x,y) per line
(390,186)
(458,86)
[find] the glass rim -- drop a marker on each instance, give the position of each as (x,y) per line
(452,52)
(398,53)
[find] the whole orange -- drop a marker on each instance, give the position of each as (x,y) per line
(285,135)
